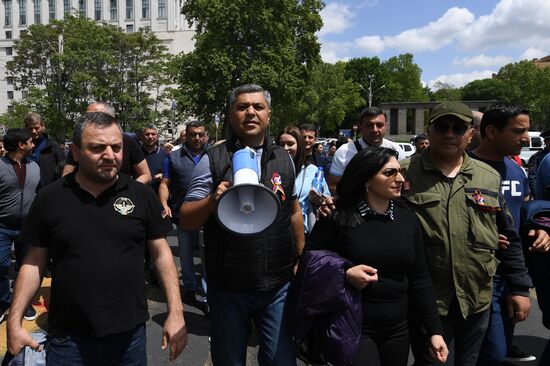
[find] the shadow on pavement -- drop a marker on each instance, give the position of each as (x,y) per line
(197,324)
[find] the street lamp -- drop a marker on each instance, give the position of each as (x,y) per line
(370,91)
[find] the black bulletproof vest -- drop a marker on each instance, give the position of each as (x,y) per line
(258,262)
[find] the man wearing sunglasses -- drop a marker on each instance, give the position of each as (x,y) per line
(462,213)
(176,177)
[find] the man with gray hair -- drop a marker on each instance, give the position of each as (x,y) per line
(94,224)
(248,276)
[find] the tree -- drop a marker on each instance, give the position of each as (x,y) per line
(68,63)
(402,80)
(270,43)
(486,89)
(445,92)
(329,96)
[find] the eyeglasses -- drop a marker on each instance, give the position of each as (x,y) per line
(391,172)
(458,128)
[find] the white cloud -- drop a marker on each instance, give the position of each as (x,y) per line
(459,80)
(434,35)
(331,50)
(370,44)
(533,52)
(482,60)
(367,4)
(516,23)
(337,18)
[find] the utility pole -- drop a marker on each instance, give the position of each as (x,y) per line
(369,90)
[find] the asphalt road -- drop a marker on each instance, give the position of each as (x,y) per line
(531,336)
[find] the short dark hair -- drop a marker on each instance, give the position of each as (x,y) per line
(193,124)
(92,118)
(14,137)
(249,88)
(498,115)
(341,140)
(370,112)
(308,127)
(362,167)
(419,137)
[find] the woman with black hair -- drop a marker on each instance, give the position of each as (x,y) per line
(383,238)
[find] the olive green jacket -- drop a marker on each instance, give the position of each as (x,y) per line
(461,219)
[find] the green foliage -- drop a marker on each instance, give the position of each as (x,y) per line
(329,96)
(270,43)
(68,63)
(486,89)
(445,92)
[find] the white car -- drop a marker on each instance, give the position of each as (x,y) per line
(535,144)
(407,148)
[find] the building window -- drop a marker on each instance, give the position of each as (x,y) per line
(162,8)
(9,80)
(36,11)
(24,94)
(113,6)
(145,9)
(10,95)
(66,8)
(129,9)
(51,9)
(22,32)
(22,12)
(9,51)
(7,13)
(82,7)
(129,28)
(8,34)
(97,9)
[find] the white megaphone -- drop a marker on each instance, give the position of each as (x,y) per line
(247,207)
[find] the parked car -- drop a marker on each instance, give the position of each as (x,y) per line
(535,143)
(408,148)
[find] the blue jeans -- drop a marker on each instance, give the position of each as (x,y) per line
(501,328)
(123,349)
(231,316)
(463,337)
(7,237)
(187,241)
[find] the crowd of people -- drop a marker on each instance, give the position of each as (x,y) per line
(434,253)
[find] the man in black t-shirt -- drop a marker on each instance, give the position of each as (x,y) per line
(133,160)
(94,224)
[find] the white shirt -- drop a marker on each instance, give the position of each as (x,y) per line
(347,151)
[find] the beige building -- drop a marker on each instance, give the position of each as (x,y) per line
(162,16)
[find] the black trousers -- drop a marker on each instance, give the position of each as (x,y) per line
(384,343)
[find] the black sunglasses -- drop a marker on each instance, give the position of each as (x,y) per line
(391,172)
(458,128)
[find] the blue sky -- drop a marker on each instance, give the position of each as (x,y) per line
(452,41)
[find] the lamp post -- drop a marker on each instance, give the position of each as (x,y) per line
(370,91)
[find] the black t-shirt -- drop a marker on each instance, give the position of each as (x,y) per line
(97,248)
(131,155)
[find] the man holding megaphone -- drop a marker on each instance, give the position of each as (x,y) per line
(248,269)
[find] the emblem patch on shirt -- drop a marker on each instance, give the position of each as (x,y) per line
(124,206)
(278,185)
